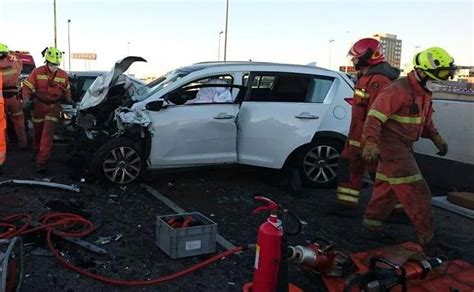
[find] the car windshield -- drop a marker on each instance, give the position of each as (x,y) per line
(167,79)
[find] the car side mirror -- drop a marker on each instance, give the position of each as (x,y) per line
(154,105)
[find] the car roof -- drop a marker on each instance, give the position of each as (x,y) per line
(254,65)
(86,73)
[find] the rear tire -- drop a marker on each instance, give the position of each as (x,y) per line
(318,163)
(120,161)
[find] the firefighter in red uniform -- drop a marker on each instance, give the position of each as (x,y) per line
(400,116)
(47,85)
(10,68)
(375,74)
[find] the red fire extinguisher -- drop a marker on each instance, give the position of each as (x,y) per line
(268,250)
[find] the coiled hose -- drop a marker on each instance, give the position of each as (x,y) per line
(72,225)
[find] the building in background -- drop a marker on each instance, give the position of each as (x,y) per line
(392,48)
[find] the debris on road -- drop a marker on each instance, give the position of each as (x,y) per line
(72,187)
(463,199)
(103,240)
(41,252)
(442,202)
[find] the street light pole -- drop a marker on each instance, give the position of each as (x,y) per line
(219,47)
(55,30)
(69,41)
(226,24)
(330,42)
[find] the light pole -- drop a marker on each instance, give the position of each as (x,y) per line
(219,47)
(128,49)
(54,13)
(226,24)
(69,41)
(330,43)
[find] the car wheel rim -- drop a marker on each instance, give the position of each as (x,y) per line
(320,164)
(122,165)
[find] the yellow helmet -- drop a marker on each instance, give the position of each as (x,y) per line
(4,49)
(436,63)
(53,55)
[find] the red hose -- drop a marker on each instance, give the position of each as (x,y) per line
(60,224)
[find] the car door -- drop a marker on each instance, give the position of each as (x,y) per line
(281,112)
(196,129)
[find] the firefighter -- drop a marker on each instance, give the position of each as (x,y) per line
(3,127)
(48,85)
(10,68)
(401,115)
(367,57)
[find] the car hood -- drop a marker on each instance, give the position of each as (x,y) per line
(99,89)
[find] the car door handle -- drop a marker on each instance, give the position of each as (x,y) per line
(224,116)
(306,116)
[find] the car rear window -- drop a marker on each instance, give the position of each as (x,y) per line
(278,87)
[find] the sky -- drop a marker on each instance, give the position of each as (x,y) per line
(174,33)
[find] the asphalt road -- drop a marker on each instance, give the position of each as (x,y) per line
(223,194)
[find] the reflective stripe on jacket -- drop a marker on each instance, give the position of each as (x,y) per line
(46,86)
(400,115)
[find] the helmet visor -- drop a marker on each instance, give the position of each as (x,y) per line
(446,73)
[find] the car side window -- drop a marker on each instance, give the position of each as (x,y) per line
(319,89)
(201,91)
(287,87)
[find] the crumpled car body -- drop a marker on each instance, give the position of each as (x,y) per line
(107,96)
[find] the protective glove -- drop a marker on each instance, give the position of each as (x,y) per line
(371,152)
(441,145)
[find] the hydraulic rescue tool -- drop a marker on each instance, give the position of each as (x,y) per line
(11,261)
(383,275)
(318,258)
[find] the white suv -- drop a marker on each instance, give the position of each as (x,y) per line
(261,114)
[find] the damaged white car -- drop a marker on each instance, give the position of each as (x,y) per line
(261,114)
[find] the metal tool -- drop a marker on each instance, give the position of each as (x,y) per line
(72,187)
(383,275)
(11,261)
(80,242)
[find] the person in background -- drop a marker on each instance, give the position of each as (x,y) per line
(10,68)
(48,85)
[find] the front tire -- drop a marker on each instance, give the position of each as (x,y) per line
(318,163)
(120,161)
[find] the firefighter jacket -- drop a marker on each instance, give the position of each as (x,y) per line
(10,68)
(401,115)
(366,91)
(47,87)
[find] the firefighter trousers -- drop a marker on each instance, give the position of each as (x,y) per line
(401,180)
(351,173)
(45,119)
(14,111)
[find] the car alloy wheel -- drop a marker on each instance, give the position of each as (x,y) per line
(122,165)
(320,164)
